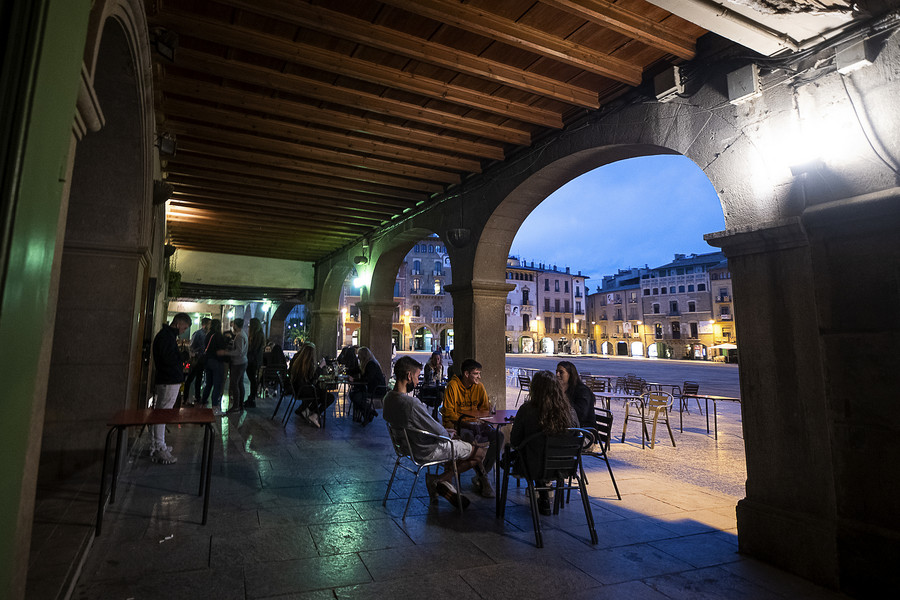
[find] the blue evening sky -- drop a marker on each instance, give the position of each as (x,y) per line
(635,212)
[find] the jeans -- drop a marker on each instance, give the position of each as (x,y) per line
(195,376)
(166,394)
(215,379)
(253,376)
(236,384)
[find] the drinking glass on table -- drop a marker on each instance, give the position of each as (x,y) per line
(493,402)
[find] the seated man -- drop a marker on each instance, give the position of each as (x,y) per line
(402,410)
(465,392)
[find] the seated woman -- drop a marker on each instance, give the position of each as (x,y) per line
(373,377)
(431,394)
(304,379)
(347,359)
(580,396)
(547,411)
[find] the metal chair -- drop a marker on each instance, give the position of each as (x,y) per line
(369,399)
(689,387)
(284,387)
(657,403)
(405,451)
(602,433)
(598,388)
(561,463)
(524,386)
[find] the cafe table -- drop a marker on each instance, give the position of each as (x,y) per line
(496,420)
(707,398)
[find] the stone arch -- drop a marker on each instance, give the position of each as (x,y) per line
(108,277)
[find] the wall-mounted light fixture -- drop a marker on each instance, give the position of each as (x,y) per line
(166,144)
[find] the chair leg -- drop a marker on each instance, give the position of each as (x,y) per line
(625,424)
(671,437)
(588,513)
(653,437)
(390,482)
(277,406)
(503,488)
(535,519)
(459,500)
(412,490)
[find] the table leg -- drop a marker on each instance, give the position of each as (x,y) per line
(120,434)
(497,470)
(99,524)
(209,453)
(706,403)
(206,436)
(715,419)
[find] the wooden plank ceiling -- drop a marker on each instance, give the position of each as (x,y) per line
(302,126)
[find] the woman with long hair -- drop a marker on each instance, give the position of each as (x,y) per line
(215,366)
(373,378)
(304,373)
(257,344)
(579,394)
(547,411)
(434,369)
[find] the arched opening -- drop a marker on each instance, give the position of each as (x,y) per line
(107,299)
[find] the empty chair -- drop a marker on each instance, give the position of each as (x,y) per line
(689,387)
(284,388)
(654,407)
(634,386)
(524,386)
(403,450)
(602,433)
(561,463)
(598,388)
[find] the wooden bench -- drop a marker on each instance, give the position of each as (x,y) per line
(124,419)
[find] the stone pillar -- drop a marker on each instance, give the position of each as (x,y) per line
(324,325)
(375,322)
(479,330)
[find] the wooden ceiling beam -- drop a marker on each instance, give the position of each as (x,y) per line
(348,174)
(383,38)
(184,209)
(361,203)
(261,143)
(208,64)
(626,22)
(472,18)
(283,204)
(298,53)
(313,135)
(199,90)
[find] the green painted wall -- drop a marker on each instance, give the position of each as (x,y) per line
(24,319)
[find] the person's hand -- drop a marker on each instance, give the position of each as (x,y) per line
(221,352)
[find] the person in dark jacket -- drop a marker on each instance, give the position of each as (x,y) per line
(579,395)
(257,341)
(375,384)
(547,411)
(215,367)
(169,376)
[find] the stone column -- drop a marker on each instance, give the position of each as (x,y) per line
(788,515)
(375,321)
(479,330)
(324,330)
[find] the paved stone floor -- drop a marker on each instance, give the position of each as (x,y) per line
(296,514)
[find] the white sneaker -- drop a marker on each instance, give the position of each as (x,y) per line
(164,457)
(314,419)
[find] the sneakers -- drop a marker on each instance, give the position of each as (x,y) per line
(482,485)
(431,485)
(313,418)
(153,451)
(446,490)
(164,457)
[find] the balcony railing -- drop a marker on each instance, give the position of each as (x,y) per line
(725,317)
(723,298)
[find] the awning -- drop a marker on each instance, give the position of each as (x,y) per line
(725,346)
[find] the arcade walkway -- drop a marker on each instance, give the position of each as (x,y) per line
(297,514)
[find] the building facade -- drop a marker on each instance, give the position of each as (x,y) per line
(615,314)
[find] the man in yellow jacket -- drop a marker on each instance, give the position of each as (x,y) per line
(465,393)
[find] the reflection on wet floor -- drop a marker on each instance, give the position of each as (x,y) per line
(297,513)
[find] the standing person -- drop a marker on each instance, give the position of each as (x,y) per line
(546,411)
(169,375)
(305,372)
(580,396)
(402,410)
(215,368)
(198,360)
(464,393)
(373,377)
(256,346)
(237,365)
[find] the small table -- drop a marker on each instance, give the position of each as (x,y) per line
(706,399)
(496,421)
(163,416)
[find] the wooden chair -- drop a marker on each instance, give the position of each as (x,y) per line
(689,387)
(651,406)
(400,439)
(562,463)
